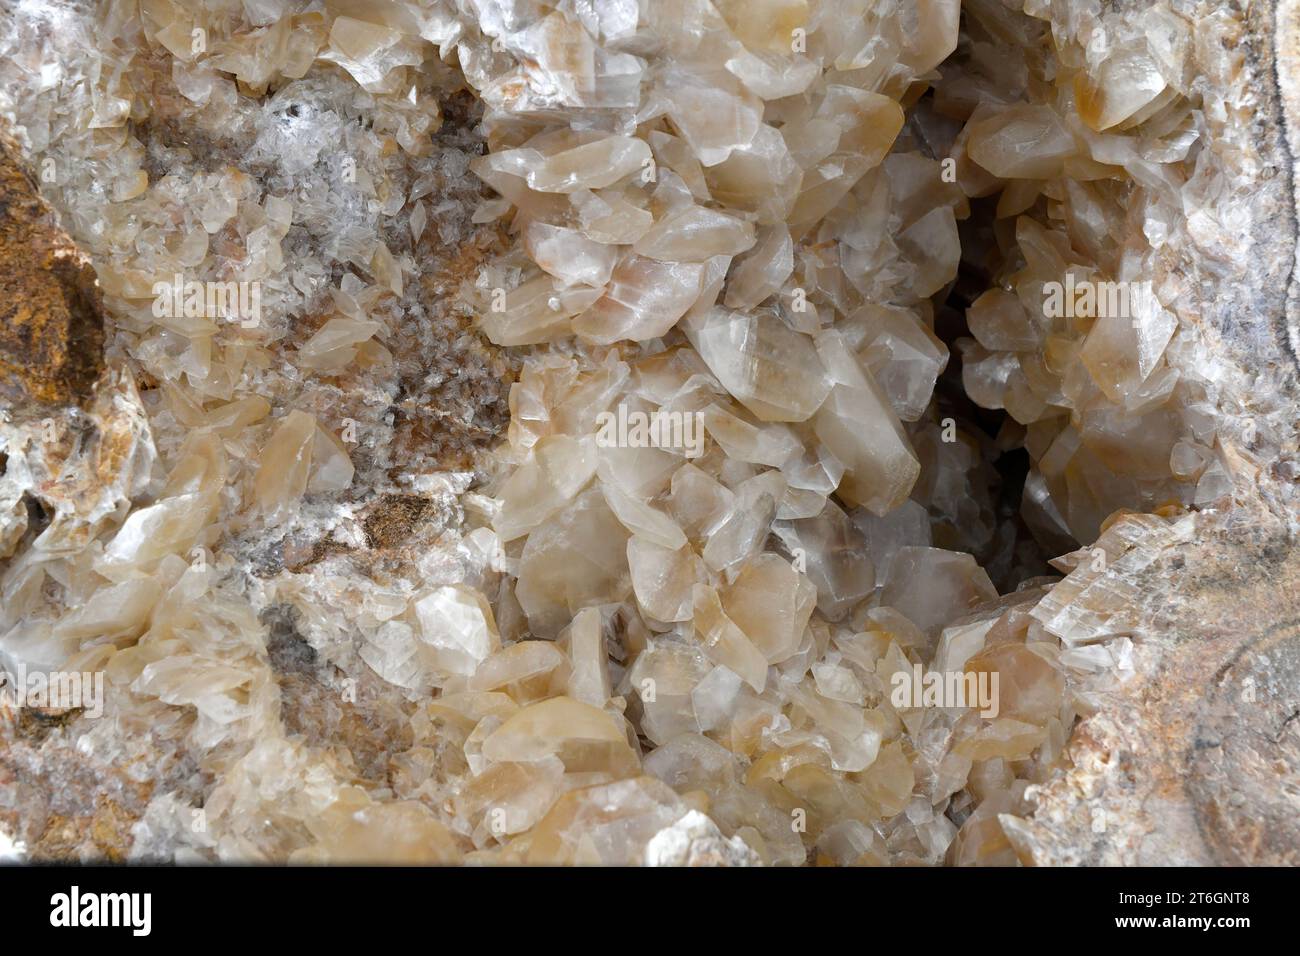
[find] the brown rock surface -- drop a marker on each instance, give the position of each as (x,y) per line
(1196,759)
(51,323)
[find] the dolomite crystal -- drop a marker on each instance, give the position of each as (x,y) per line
(613,407)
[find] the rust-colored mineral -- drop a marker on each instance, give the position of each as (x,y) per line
(51,324)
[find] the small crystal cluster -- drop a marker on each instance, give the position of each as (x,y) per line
(745,215)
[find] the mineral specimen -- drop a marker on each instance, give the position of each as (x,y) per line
(572,432)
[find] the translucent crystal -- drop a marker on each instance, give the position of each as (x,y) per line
(575,560)
(643,300)
(1026,142)
(834,555)
(771,603)
(458,624)
(663,578)
(860,428)
(932,587)
(771,369)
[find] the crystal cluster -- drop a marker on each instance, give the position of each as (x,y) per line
(525,642)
